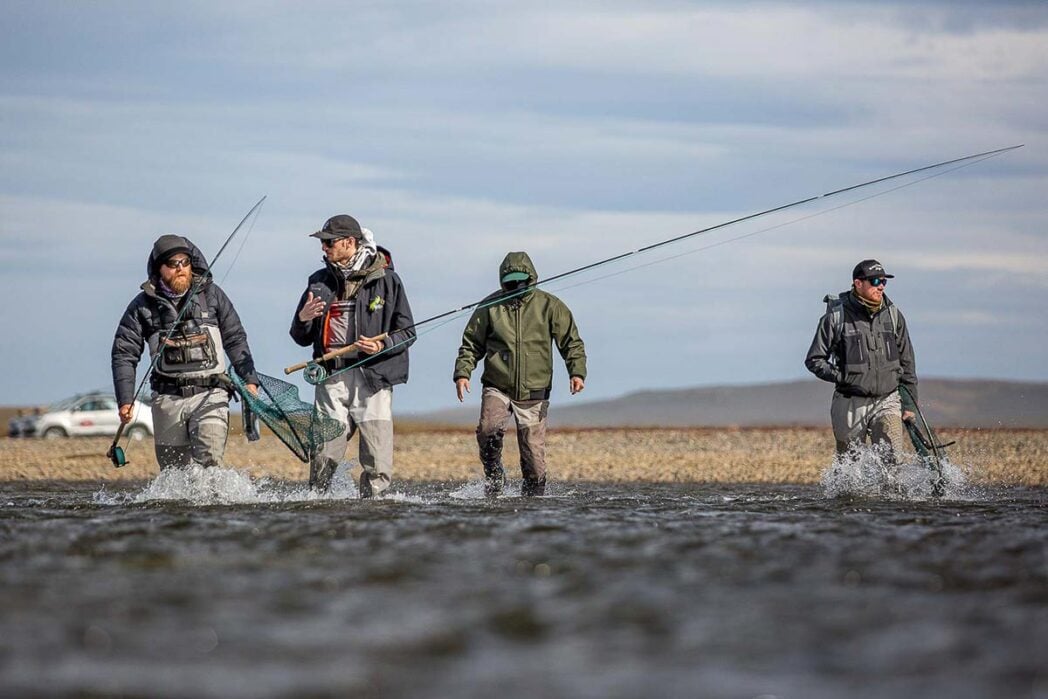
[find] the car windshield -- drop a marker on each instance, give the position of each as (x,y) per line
(82,402)
(64,404)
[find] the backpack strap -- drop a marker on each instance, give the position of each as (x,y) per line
(893,313)
(835,307)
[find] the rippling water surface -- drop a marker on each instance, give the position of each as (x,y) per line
(211,585)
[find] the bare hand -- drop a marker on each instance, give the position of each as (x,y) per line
(312,308)
(126,411)
(908,416)
(369,345)
(577,384)
(252,389)
(462,388)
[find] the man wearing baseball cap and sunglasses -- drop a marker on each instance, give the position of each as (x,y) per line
(863,347)
(356,301)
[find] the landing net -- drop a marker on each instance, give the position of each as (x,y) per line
(297,423)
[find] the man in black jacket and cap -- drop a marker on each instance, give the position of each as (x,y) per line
(190,326)
(862,346)
(356,301)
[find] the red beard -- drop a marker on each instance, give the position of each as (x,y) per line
(180,283)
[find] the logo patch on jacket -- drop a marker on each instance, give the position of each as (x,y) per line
(376,304)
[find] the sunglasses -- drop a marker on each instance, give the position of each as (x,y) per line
(177,264)
(328,243)
(878,281)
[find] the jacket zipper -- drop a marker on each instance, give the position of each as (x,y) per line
(520,356)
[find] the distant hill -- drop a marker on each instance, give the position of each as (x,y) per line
(946,403)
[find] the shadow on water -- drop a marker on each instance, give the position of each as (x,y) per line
(209,583)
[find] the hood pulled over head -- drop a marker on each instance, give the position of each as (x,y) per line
(168,245)
(517,267)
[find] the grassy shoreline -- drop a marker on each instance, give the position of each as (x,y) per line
(427,453)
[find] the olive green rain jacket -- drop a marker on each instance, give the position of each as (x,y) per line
(515,338)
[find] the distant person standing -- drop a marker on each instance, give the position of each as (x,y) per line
(515,337)
(354,300)
(863,347)
(190,326)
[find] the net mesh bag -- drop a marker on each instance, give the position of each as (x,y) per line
(297,423)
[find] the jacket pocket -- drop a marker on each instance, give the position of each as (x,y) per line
(497,369)
(891,349)
(855,355)
(537,366)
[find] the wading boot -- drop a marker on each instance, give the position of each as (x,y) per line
(530,487)
(494,480)
(367,491)
(321,472)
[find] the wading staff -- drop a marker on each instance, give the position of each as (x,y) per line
(622,256)
(116,452)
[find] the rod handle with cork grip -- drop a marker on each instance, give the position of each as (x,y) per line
(332,354)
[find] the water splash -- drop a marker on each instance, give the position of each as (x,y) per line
(869,471)
(474,490)
(197,485)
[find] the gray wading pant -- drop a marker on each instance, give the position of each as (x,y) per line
(348,399)
(530,416)
(191,430)
(855,418)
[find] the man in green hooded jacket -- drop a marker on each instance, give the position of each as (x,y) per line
(515,334)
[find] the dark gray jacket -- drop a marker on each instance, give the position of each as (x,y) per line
(381,307)
(863,355)
(150,315)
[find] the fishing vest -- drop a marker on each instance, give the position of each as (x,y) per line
(867,353)
(191,348)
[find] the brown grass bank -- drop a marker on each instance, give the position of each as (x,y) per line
(755,455)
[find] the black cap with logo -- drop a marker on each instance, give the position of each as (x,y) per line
(870,269)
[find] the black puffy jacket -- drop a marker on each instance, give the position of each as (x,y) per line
(150,315)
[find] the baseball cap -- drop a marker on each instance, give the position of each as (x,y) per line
(514,277)
(341,226)
(868,269)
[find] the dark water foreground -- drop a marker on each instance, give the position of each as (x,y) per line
(595,591)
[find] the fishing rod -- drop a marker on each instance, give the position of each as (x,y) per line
(317,372)
(115,453)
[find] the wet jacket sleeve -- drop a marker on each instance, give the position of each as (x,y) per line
(906,358)
(569,343)
(128,344)
(234,337)
(303,333)
(821,360)
(401,334)
(473,347)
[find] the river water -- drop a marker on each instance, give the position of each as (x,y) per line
(209,584)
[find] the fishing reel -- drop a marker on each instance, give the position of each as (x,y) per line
(314,373)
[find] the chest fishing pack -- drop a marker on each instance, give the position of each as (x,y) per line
(194,348)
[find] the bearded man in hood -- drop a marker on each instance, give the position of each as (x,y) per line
(190,326)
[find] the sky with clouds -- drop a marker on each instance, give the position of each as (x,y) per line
(458,131)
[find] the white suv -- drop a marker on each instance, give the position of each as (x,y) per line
(94,415)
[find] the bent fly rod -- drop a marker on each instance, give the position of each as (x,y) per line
(116,452)
(315,373)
